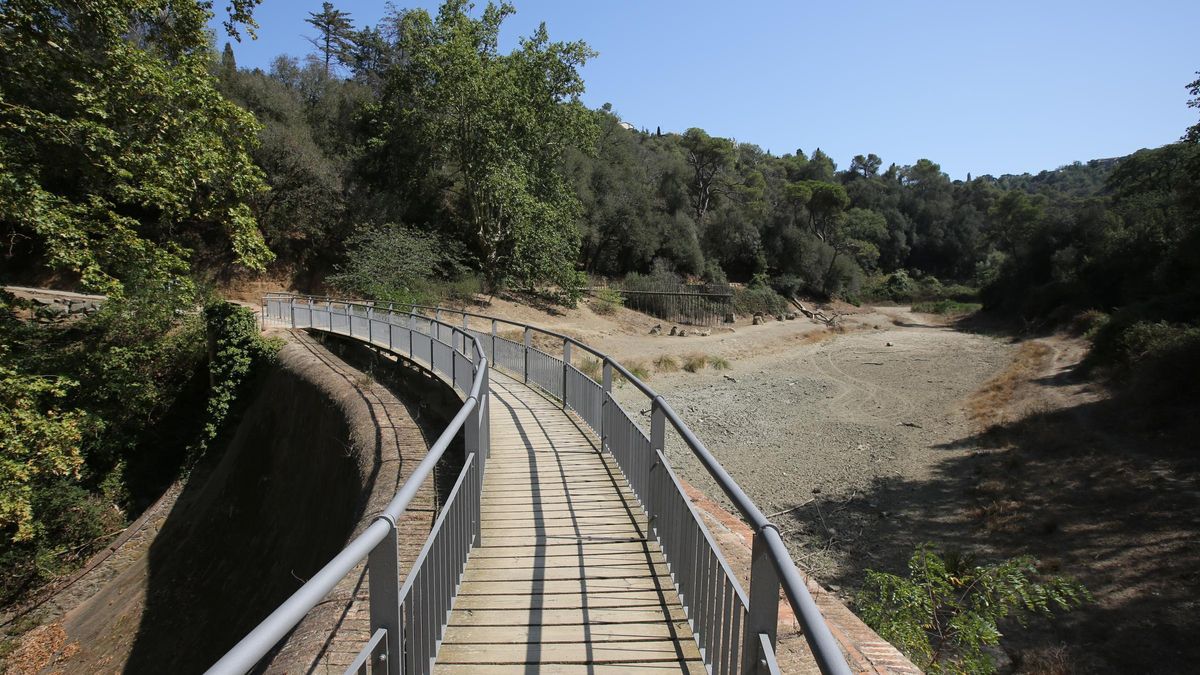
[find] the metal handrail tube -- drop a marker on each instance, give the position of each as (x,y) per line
(256,644)
(250,650)
(824,646)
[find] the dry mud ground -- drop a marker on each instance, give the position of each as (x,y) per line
(861,450)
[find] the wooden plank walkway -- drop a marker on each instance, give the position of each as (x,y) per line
(564,581)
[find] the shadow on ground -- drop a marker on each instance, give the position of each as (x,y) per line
(1091,491)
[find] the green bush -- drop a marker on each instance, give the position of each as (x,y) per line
(606,301)
(236,349)
(900,287)
(947,307)
(395,263)
(758,299)
(948,609)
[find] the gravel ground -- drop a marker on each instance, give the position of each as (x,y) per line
(812,428)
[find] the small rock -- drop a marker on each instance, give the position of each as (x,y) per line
(758,319)
(779,317)
(816,491)
(890,344)
(683,332)
(657,330)
(791,316)
(730,378)
(674,330)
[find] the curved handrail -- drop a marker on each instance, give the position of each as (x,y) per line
(263,638)
(768,548)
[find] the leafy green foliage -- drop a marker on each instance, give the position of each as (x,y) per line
(117,155)
(606,301)
(493,126)
(948,307)
(236,348)
(748,301)
(395,263)
(38,440)
(949,609)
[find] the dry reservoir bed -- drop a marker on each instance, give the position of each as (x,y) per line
(814,430)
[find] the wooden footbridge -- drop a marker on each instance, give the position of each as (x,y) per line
(567,544)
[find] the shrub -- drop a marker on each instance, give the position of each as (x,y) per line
(948,609)
(694,362)
(948,307)
(639,370)
(592,368)
(758,299)
(1087,323)
(606,301)
(718,363)
(395,263)
(666,364)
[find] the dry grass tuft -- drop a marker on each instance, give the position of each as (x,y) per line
(639,369)
(718,363)
(592,368)
(694,362)
(987,406)
(666,364)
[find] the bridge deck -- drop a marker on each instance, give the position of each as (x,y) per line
(565,580)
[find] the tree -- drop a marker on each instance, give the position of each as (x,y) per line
(709,157)
(117,156)
(1192,135)
(495,127)
(335,34)
(866,167)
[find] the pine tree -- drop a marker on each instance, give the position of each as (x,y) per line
(336,33)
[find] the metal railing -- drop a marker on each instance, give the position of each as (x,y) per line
(734,630)
(406,623)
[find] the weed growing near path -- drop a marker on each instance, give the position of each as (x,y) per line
(666,364)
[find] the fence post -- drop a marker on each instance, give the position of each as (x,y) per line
(492,355)
(605,395)
(329,313)
(292,311)
(658,443)
(528,342)
(763,615)
(370,324)
(566,370)
(383,566)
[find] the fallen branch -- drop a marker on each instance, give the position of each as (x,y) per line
(780,513)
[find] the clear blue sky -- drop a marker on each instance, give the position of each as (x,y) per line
(995,87)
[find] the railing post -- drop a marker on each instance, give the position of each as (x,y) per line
(566,370)
(329,313)
(383,567)
(473,442)
(528,342)
(292,311)
(658,443)
(370,324)
(605,395)
(763,615)
(492,355)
